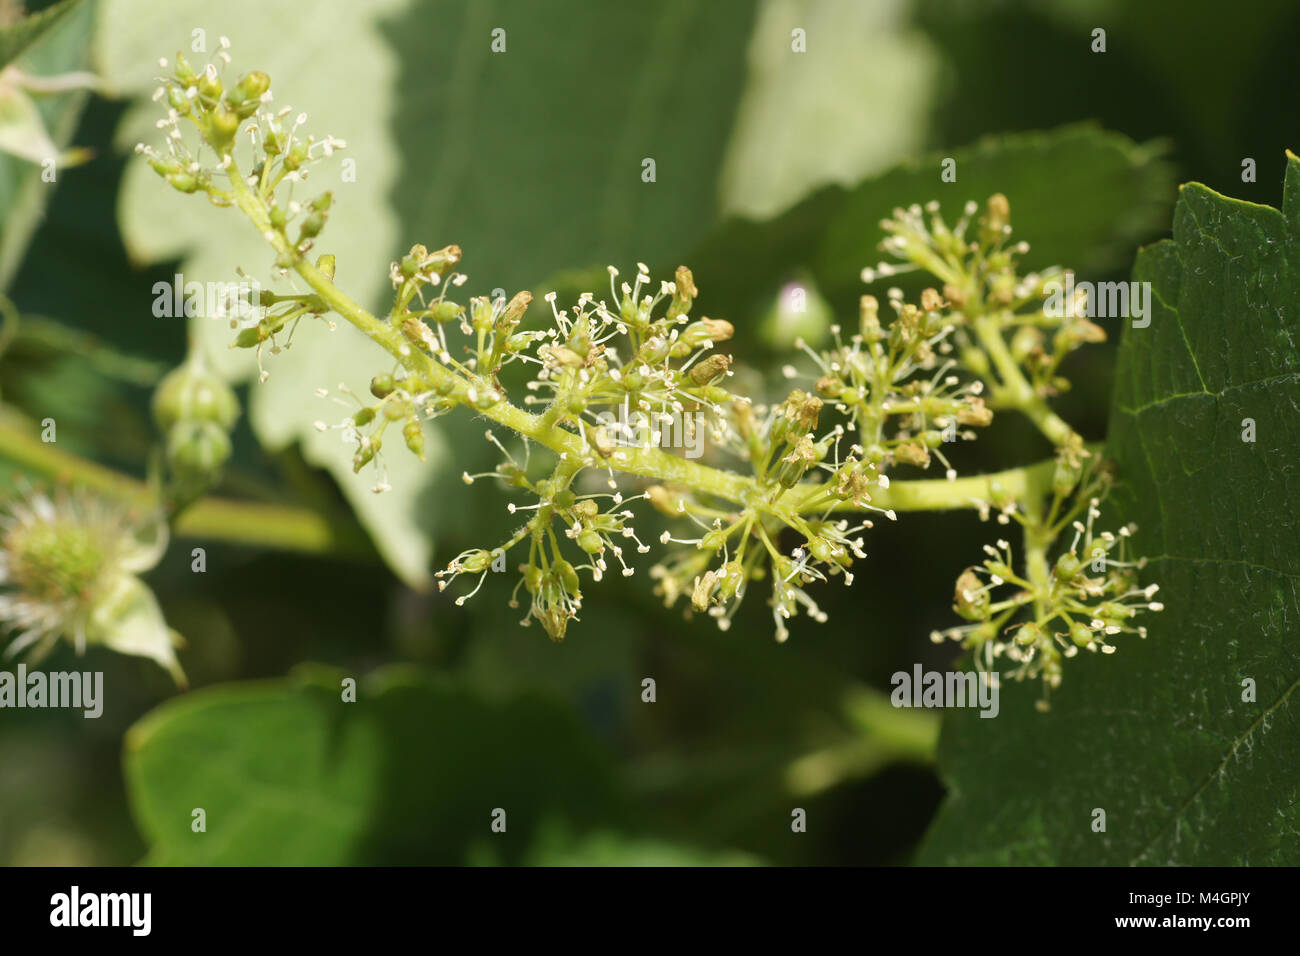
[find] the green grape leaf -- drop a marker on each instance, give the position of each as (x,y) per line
(1188,740)
(16,38)
(411,772)
(531,159)
(1081,197)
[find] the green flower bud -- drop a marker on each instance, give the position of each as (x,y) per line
(184,73)
(222,127)
(252,336)
(476,561)
(796,464)
(975,360)
(1067,566)
(567,576)
(197,448)
(183,182)
(210,84)
(178,101)
(312,225)
(297,155)
(190,394)
(369,448)
(730,580)
(1066,475)
(1028,634)
(413,432)
(445,311)
(653,351)
(591,542)
(248,92)
(382,385)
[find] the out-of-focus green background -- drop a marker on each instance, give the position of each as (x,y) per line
(531,160)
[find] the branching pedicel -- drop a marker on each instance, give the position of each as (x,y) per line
(889,395)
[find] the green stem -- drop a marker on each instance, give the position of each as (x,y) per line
(1014,390)
(644,462)
(250,523)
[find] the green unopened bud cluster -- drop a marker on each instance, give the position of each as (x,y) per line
(195,410)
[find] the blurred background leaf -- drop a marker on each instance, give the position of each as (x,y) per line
(411,772)
(53,41)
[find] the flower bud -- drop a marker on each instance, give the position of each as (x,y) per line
(796,464)
(684,293)
(1066,474)
(476,562)
(653,351)
(370,446)
(710,370)
(970,600)
(1028,634)
(413,432)
(189,393)
(222,127)
(184,73)
(197,448)
(998,212)
(912,453)
(247,94)
(446,311)
(1067,566)
(564,356)
(183,182)
(869,317)
(707,330)
(209,84)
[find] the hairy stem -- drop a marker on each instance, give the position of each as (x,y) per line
(923,495)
